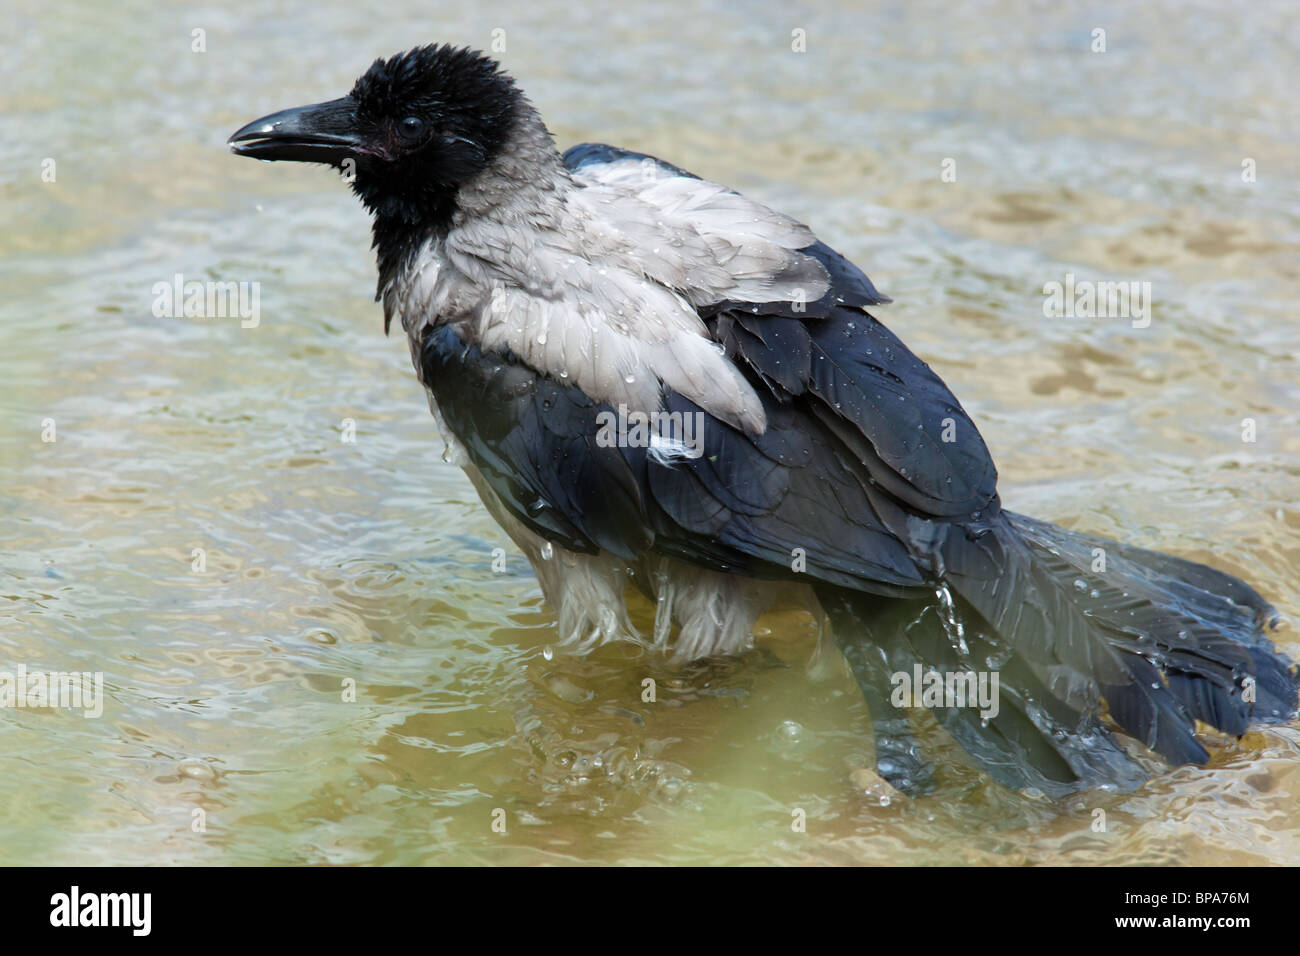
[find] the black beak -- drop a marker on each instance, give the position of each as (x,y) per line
(320,133)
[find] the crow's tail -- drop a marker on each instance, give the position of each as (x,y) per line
(1075,628)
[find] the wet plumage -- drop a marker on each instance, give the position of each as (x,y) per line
(541,292)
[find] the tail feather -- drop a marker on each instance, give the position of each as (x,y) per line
(1145,709)
(1220,594)
(1208,627)
(1034,741)
(1079,627)
(1207,643)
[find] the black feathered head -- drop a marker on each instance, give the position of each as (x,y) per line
(434,117)
(413,129)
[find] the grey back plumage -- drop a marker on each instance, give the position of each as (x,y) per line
(597,276)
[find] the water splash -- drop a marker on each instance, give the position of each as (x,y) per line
(952,625)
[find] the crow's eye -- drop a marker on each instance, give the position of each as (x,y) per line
(411,128)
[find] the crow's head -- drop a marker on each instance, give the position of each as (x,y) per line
(412,130)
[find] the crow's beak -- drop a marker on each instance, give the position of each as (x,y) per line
(320,133)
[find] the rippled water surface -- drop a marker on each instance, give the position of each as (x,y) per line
(371,561)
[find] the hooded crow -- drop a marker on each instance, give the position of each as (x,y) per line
(654,381)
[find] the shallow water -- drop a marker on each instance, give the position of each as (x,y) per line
(371,561)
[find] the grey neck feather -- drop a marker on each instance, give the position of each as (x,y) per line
(524,178)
